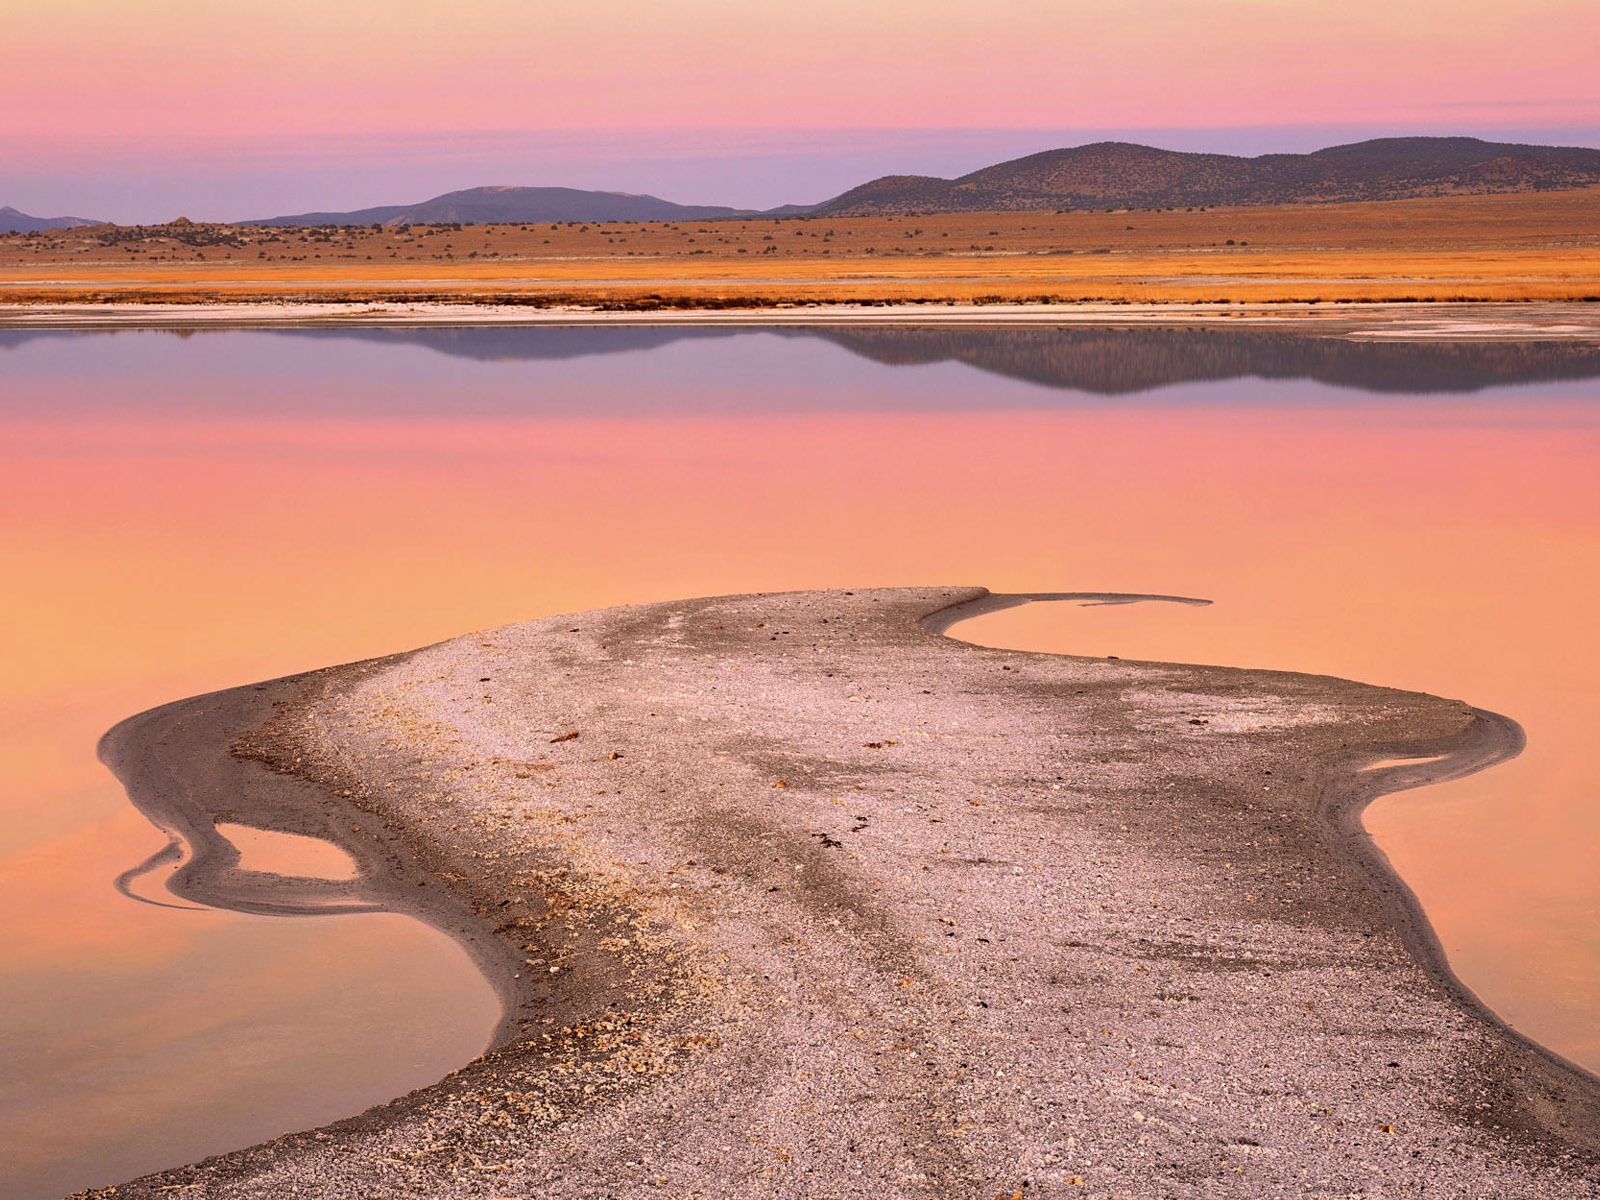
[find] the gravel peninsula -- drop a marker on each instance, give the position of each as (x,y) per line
(794,896)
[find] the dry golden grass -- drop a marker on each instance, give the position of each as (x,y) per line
(1542,246)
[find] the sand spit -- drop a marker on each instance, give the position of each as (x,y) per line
(1483,321)
(789,895)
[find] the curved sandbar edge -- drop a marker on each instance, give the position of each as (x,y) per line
(789,895)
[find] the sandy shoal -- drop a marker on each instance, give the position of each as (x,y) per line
(791,895)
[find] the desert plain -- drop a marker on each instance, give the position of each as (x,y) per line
(1534,246)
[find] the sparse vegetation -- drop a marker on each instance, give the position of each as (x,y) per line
(1504,247)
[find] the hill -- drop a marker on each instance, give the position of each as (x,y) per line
(1124,175)
(513,205)
(1102,175)
(12,221)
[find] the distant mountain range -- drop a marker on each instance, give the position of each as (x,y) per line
(505,205)
(1102,175)
(12,221)
(1122,175)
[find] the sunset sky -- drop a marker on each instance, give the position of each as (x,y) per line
(234,108)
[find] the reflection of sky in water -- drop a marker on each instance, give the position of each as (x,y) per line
(190,513)
(288,853)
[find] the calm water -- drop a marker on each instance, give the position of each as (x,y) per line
(190,512)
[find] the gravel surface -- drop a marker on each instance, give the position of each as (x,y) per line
(789,895)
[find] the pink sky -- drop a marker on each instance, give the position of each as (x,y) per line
(348,94)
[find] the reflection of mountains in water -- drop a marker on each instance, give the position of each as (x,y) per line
(483,343)
(1106,362)
(544,343)
(1112,362)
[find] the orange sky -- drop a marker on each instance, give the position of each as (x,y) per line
(250,67)
(141,111)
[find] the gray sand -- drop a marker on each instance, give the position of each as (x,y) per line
(791,896)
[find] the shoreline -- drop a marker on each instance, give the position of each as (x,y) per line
(319,730)
(1489,320)
(176,760)
(1493,739)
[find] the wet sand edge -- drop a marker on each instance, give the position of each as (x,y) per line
(1557,1081)
(176,760)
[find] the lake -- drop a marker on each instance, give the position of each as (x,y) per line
(188,511)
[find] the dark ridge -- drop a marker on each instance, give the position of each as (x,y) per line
(1123,175)
(12,221)
(512,205)
(1101,175)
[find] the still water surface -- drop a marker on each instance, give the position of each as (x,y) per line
(184,513)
